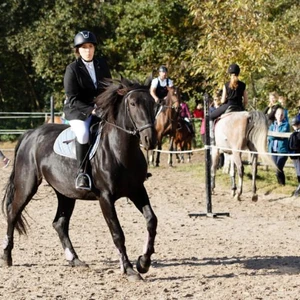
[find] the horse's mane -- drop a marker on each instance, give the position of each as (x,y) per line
(115,89)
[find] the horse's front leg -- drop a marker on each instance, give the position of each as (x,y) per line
(159,146)
(214,162)
(150,157)
(61,224)
(171,147)
(141,201)
(231,169)
(254,174)
(111,218)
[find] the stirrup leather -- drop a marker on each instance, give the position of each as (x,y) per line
(89,187)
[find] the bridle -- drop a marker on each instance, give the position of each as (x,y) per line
(136,130)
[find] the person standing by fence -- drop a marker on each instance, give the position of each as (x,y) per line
(5,160)
(279,145)
(270,110)
(83,82)
(294,147)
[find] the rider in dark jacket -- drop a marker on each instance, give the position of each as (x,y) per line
(83,82)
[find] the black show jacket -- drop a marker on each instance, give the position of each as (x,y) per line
(80,90)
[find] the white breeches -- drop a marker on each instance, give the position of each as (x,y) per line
(81,129)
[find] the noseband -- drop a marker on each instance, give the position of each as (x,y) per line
(136,130)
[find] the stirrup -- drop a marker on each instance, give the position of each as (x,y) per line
(87,188)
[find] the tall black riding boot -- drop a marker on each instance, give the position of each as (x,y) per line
(83,180)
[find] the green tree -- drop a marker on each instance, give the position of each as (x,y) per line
(255,34)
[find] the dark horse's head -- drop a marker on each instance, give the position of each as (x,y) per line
(128,106)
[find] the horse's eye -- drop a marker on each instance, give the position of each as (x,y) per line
(132,103)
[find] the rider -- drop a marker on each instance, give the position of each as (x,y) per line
(160,86)
(234,93)
(83,82)
(186,116)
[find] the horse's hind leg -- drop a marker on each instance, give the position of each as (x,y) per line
(240,169)
(141,201)
(17,196)
(61,225)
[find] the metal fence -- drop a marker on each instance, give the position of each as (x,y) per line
(43,116)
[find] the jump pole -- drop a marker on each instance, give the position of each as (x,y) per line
(52,108)
(209,212)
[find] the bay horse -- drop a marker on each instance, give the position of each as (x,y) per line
(237,131)
(183,141)
(118,169)
(166,124)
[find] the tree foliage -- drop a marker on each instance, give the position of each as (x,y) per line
(197,40)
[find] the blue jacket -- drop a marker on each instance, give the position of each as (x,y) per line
(282,143)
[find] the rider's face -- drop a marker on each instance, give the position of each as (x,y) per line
(163,75)
(87,51)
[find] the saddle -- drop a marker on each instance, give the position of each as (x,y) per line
(64,144)
(158,107)
(233,108)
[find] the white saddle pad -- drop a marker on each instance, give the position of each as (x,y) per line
(64,144)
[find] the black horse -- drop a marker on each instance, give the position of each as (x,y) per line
(118,169)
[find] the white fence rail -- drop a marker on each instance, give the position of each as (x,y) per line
(23,115)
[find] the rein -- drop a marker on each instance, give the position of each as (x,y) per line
(136,130)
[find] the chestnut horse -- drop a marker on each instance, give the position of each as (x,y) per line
(166,124)
(183,141)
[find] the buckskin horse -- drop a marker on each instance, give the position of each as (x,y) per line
(238,131)
(118,169)
(166,124)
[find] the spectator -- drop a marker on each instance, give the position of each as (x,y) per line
(294,147)
(272,107)
(278,145)
(282,102)
(298,114)
(198,112)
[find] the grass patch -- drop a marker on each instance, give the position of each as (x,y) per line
(266,181)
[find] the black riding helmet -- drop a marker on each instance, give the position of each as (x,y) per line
(163,69)
(234,69)
(83,37)
(295,121)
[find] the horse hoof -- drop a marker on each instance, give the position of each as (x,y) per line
(237,197)
(133,276)
(254,198)
(143,265)
(5,262)
(78,263)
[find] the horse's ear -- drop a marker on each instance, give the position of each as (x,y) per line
(121,91)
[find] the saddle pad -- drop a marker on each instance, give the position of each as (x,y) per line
(64,144)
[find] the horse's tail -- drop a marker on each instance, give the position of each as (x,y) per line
(8,198)
(257,135)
